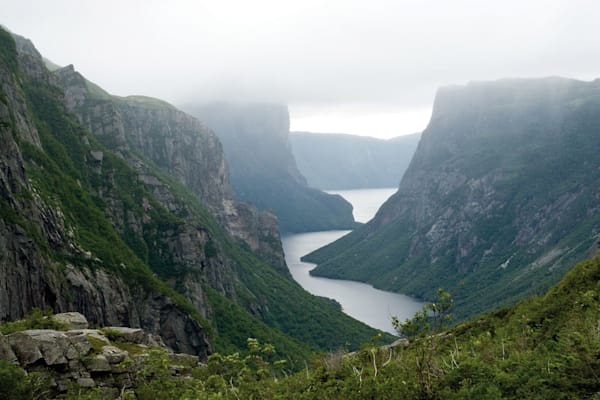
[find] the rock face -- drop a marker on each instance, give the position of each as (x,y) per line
(263,169)
(500,198)
(178,144)
(90,223)
(33,231)
(338,161)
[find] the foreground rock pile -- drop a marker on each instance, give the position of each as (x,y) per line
(107,357)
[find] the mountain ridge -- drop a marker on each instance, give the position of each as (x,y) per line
(256,142)
(499,167)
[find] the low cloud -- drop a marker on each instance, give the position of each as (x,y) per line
(310,54)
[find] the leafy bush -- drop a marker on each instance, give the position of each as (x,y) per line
(14,384)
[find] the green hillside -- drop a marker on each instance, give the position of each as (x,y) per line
(547,347)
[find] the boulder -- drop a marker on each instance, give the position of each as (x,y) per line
(86,382)
(32,345)
(54,345)
(98,363)
(6,352)
(132,335)
(94,333)
(113,354)
(71,320)
(80,345)
(25,348)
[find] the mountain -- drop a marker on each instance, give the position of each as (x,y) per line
(500,198)
(263,169)
(339,161)
(121,209)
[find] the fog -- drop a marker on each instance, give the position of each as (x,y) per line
(377,63)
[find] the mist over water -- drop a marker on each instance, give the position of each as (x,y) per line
(366,202)
(372,306)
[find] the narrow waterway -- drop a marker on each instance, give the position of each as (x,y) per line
(372,306)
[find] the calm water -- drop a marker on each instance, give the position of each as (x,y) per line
(372,306)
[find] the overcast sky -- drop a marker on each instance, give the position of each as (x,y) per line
(363,67)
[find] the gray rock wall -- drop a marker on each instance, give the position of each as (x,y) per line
(31,229)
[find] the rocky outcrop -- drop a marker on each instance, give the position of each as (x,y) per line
(260,231)
(263,169)
(340,161)
(107,300)
(500,198)
(86,358)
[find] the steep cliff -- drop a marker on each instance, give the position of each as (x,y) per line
(339,161)
(47,259)
(263,169)
(500,197)
(137,127)
(91,223)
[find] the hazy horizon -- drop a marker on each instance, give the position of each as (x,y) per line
(356,67)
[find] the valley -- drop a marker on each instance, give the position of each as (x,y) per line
(342,161)
(222,249)
(361,301)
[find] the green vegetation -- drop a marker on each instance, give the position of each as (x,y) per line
(149,102)
(547,347)
(13,382)
(16,384)
(35,319)
(66,180)
(97,344)
(311,319)
(8,51)
(312,322)
(132,348)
